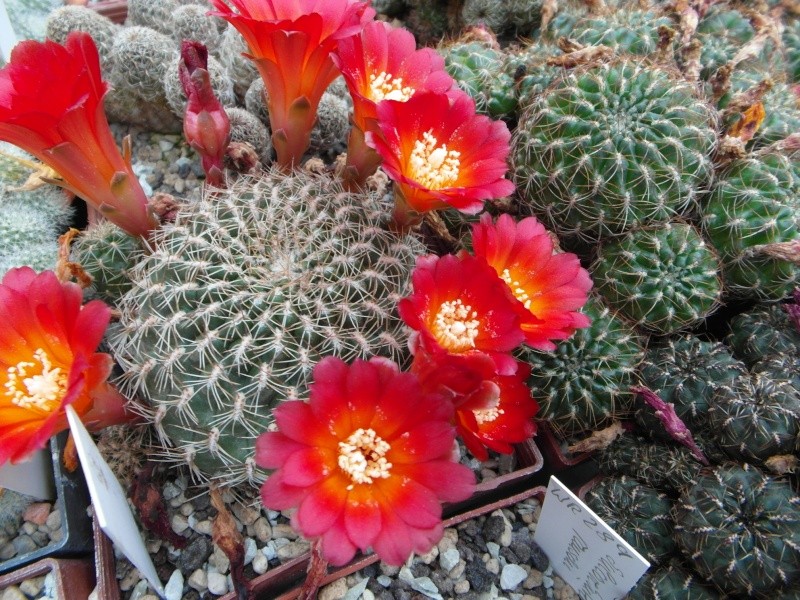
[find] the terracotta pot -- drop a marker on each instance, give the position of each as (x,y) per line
(72,500)
(116,10)
(74,578)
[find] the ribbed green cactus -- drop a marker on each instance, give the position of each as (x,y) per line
(528,68)
(630,30)
(791,43)
(685,372)
(754,209)
(192,22)
(671,582)
(108,255)
(756,417)
(66,19)
(585,382)
(30,223)
(478,70)
(242,296)
(721,32)
(503,16)
(662,278)
(741,530)
(665,466)
(638,512)
(611,147)
(761,332)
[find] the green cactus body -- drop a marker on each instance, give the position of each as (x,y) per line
(755,204)
(613,147)
(584,383)
(503,16)
(757,417)
(761,332)
(241,70)
(721,33)
(242,296)
(663,278)
(626,31)
(248,128)
(664,466)
(155,15)
(478,70)
(530,72)
(740,529)
(686,372)
(638,512)
(108,255)
(66,19)
(192,22)
(671,582)
(791,44)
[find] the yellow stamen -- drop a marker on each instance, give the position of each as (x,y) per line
(517,289)
(488,415)
(363,457)
(39,387)
(383,87)
(456,326)
(432,166)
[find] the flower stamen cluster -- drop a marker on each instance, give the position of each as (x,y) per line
(457,325)
(432,165)
(384,87)
(363,457)
(41,390)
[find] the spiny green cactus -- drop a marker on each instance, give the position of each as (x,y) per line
(192,22)
(757,417)
(791,43)
(585,382)
(528,68)
(611,147)
(671,582)
(255,100)
(477,68)
(503,16)
(329,135)
(631,31)
(248,128)
(30,223)
(663,278)
(740,529)
(661,465)
(761,332)
(638,512)
(155,15)
(428,21)
(66,19)
(241,70)
(754,205)
(721,32)
(107,254)
(242,296)
(685,372)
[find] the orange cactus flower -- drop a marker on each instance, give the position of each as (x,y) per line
(491,411)
(441,154)
(366,461)
(48,361)
(550,287)
(382,63)
(51,105)
(290,42)
(460,306)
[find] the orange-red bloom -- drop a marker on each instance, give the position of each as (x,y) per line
(460,306)
(290,42)
(441,154)
(366,461)
(382,63)
(491,411)
(550,287)
(51,105)
(48,361)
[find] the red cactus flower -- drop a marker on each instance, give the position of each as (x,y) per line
(460,306)
(48,361)
(366,461)
(205,123)
(492,411)
(290,42)
(550,287)
(441,154)
(382,63)
(51,105)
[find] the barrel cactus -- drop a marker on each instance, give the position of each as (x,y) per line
(663,278)
(741,530)
(242,296)
(611,147)
(631,31)
(671,581)
(66,19)
(721,32)
(763,331)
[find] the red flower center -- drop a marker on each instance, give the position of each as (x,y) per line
(363,457)
(456,326)
(35,383)
(487,415)
(433,166)
(516,288)
(384,87)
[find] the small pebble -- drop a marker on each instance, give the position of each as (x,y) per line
(217,583)
(174,588)
(250,550)
(262,530)
(54,520)
(179,523)
(37,512)
(198,580)
(205,526)
(260,563)
(13,593)
(512,576)
(32,587)
(281,530)
(461,586)
(292,550)
(449,559)
(334,590)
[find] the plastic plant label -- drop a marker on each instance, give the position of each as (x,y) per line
(584,551)
(34,477)
(110,504)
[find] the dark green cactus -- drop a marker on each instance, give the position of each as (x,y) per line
(761,332)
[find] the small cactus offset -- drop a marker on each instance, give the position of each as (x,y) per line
(662,278)
(242,296)
(740,529)
(762,332)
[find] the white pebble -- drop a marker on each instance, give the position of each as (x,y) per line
(217,584)
(179,523)
(449,559)
(512,576)
(250,550)
(174,588)
(260,563)
(203,527)
(198,580)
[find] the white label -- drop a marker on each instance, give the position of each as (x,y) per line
(34,477)
(110,503)
(584,551)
